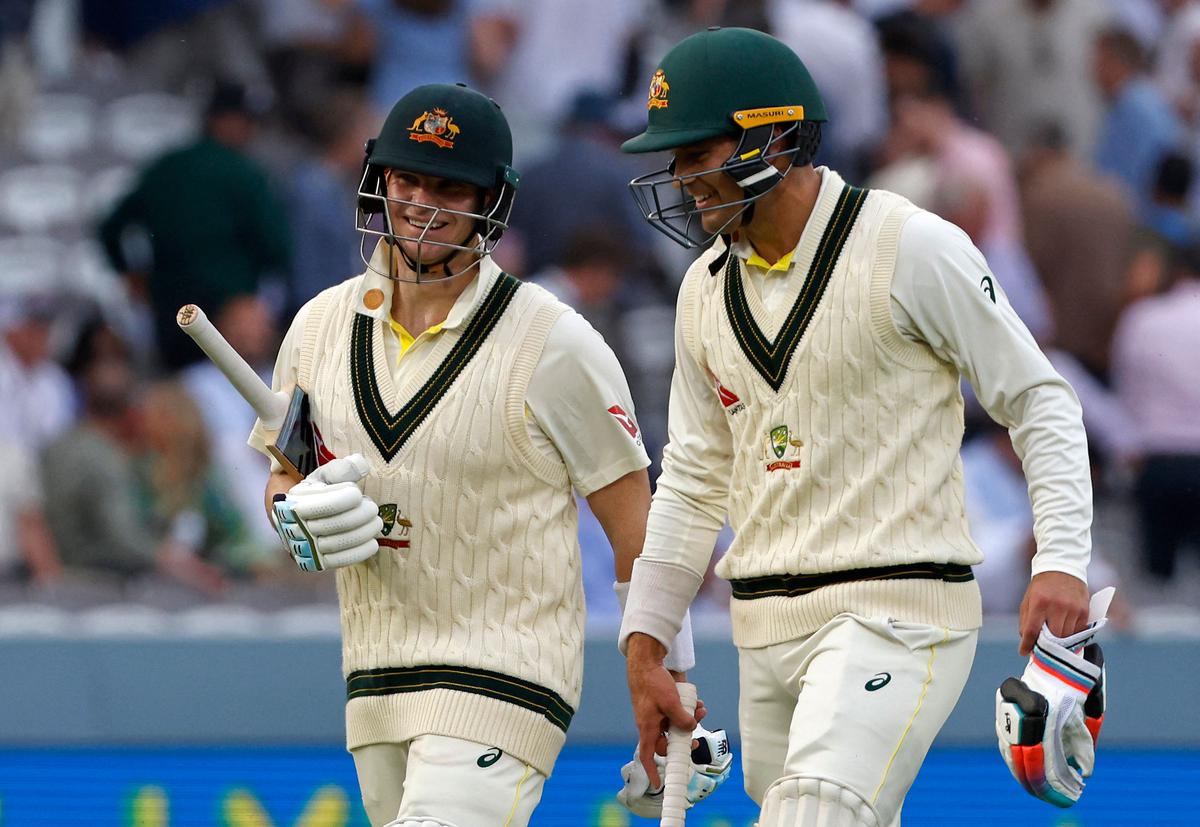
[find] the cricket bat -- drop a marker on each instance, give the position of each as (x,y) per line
(679,763)
(294,447)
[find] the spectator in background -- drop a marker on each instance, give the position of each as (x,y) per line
(1175,61)
(959,157)
(38,402)
(1079,231)
(184,495)
(841,51)
(325,246)
(416,42)
(17,80)
(1026,62)
(1157,377)
(247,325)
(942,163)
(918,54)
(174,42)
(1167,211)
(1138,126)
(313,47)
(582,183)
(27,553)
(535,56)
(92,507)
(207,218)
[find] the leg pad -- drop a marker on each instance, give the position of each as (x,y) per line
(806,801)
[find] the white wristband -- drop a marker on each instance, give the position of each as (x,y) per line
(657,605)
(681,655)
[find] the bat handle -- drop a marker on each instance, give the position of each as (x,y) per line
(269,406)
(679,763)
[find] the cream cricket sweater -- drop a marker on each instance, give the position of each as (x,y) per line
(845,436)
(469,621)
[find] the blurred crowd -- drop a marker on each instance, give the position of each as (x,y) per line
(208,151)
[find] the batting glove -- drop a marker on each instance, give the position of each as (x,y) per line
(1048,720)
(326,521)
(711,763)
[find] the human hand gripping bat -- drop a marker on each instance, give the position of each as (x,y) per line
(325,520)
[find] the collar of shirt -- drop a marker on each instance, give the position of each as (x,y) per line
(375,292)
(806,247)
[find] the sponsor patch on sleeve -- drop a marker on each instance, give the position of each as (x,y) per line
(626,422)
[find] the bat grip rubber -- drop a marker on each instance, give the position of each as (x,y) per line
(679,763)
(269,406)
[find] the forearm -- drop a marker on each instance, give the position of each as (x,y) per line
(682,527)
(621,508)
(643,650)
(1051,442)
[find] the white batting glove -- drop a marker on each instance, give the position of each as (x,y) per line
(711,763)
(326,521)
(1048,720)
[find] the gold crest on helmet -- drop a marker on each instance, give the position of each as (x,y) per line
(658,91)
(437,127)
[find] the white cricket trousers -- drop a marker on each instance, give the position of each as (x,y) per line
(455,781)
(851,708)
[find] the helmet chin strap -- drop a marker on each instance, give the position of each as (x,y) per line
(419,268)
(752,170)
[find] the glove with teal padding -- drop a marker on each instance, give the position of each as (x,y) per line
(326,521)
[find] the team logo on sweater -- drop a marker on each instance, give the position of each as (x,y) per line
(393,519)
(437,127)
(784,448)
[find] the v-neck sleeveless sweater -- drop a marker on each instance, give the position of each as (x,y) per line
(846,492)
(469,621)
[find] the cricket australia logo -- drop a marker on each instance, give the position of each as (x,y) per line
(436,127)
(658,91)
(393,520)
(784,448)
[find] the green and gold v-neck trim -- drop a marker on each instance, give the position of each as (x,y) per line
(389,431)
(771,359)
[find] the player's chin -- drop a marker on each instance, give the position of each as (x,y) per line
(716,220)
(427,253)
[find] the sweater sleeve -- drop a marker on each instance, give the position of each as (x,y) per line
(944,295)
(689,505)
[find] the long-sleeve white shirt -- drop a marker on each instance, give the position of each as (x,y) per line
(943,295)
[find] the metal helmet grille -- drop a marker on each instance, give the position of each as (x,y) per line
(664,201)
(373,220)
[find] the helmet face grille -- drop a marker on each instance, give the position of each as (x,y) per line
(664,201)
(374,222)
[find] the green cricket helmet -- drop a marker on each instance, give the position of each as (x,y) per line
(734,82)
(448,131)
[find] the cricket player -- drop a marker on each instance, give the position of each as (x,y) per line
(462,407)
(820,342)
